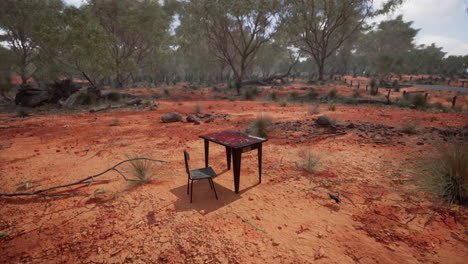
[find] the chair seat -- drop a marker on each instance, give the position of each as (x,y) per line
(203,173)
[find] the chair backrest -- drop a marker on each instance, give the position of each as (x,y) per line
(187,158)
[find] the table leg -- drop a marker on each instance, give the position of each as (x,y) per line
(207,149)
(260,163)
(236,155)
(228,157)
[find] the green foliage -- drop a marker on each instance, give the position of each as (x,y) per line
(3,234)
(418,100)
(261,126)
(293,96)
(283,103)
(396,86)
(312,94)
(166,92)
(445,171)
(332,107)
(356,93)
(21,112)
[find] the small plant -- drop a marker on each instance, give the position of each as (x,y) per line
(309,162)
(210,107)
(198,109)
(274,96)
(153,107)
(166,92)
(396,86)
(3,234)
(314,110)
(419,100)
(445,171)
(374,88)
(312,94)
(332,94)
(261,126)
(27,184)
(115,122)
(409,127)
(283,104)
(97,192)
(21,112)
(251,93)
(332,107)
(142,170)
(293,96)
(356,93)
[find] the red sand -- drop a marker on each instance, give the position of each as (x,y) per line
(381,218)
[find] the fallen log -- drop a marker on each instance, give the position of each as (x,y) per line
(370,101)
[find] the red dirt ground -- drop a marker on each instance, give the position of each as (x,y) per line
(381,217)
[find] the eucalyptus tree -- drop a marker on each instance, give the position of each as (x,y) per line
(22,24)
(320,27)
(236,30)
(136,30)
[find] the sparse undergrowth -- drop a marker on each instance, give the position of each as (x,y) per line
(261,126)
(141,170)
(445,171)
(309,162)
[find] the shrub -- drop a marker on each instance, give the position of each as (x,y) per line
(356,93)
(21,112)
(445,171)
(409,127)
(374,89)
(87,98)
(332,94)
(198,109)
(309,162)
(141,170)
(350,100)
(332,107)
(283,104)
(312,94)
(419,100)
(396,86)
(115,122)
(315,110)
(274,96)
(293,96)
(261,126)
(251,93)
(166,92)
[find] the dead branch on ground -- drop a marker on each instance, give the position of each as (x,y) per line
(87,180)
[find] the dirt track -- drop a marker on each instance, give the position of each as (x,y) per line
(380,219)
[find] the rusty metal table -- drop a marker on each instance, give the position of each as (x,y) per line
(236,143)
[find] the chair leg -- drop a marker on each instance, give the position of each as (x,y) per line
(214,189)
(211,187)
(188,185)
(191,191)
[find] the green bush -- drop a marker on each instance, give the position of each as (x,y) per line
(356,93)
(87,98)
(332,107)
(445,171)
(396,86)
(312,94)
(274,96)
(261,126)
(166,92)
(198,109)
(293,96)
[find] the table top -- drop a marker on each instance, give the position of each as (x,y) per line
(233,139)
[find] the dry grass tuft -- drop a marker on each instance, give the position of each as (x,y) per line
(261,126)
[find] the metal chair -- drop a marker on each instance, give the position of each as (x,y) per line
(199,174)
